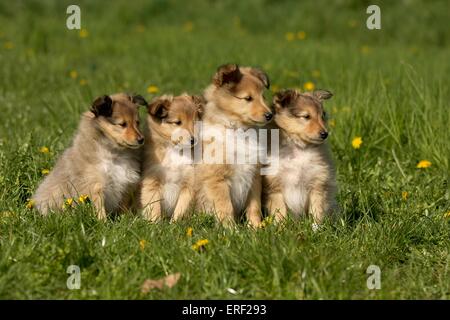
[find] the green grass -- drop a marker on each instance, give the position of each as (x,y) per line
(391,87)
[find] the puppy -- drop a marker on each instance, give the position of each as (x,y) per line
(234,100)
(305,182)
(103,161)
(167,187)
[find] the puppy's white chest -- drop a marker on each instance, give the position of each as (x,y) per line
(119,174)
(296,174)
(240,184)
(245,157)
(177,168)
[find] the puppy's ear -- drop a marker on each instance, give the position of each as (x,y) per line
(283,99)
(102,106)
(139,100)
(159,108)
(261,75)
(200,102)
(322,95)
(227,74)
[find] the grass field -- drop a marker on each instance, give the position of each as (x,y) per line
(391,88)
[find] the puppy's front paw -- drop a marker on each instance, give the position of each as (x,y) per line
(254,221)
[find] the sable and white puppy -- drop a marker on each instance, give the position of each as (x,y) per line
(167,187)
(305,182)
(103,161)
(234,100)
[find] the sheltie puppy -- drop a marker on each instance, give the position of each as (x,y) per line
(305,183)
(234,101)
(103,162)
(167,186)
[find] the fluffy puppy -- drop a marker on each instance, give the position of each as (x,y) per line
(234,101)
(167,187)
(305,182)
(103,161)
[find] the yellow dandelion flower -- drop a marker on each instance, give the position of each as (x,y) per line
(140,28)
(84,198)
(68,203)
(365,49)
(73,74)
(44,150)
(188,26)
(289,36)
(142,244)
(309,86)
(334,110)
(8,45)
(200,245)
(83,33)
(83,82)
(301,35)
(332,123)
(152,89)
(423,164)
(315,74)
(357,142)
(266,222)
(447,215)
(189,232)
(30,204)
(405,195)
(45,171)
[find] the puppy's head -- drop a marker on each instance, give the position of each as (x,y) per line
(117,117)
(301,115)
(173,118)
(238,92)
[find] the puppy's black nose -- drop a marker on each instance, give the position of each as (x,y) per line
(323,134)
(268,115)
(141,140)
(192,141)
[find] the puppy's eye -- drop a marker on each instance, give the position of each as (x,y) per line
(122,124)
(248,98)
(178,122)
(305,116)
